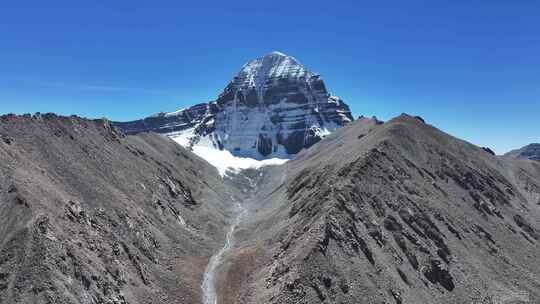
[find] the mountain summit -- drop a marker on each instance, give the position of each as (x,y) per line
(273,107)
(256,73)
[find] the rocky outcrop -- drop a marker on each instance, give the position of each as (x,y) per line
(273,107)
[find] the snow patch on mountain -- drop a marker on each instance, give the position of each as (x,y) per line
(223,160)
(226,163)
(175,113)
(184,137)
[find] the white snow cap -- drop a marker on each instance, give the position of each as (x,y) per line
(255,73)
(277,53)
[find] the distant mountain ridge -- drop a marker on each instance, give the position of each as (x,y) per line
(531,151)
(273,107)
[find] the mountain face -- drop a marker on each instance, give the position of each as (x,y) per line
(88,215)
(531,152)
(273,107)
(167,123)
(398,212)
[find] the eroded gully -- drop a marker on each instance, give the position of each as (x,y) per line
(209,285)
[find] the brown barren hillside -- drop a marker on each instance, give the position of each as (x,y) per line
(88,215)
(398,212)
(395,212)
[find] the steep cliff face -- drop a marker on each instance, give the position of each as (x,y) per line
(274,107)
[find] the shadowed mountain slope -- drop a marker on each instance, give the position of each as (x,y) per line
(531,151)
(90,216)
(398,212)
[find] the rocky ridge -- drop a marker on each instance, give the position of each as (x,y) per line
(531,151)
(398,212)
(88,215)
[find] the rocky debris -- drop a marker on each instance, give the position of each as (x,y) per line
(6,139)
(177,189)
(15,196)
(525,226)
(420,118)
(437,272)
(377,121)
(397,296)
(273,107)
(488,150)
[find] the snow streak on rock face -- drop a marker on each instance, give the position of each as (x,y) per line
(274,107)
(167,123)
(256,73)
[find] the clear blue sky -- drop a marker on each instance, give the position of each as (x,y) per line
(471,68)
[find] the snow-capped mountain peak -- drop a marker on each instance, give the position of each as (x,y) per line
(273,107)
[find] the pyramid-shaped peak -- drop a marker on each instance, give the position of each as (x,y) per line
(273,65)
(277,56)
(273,107)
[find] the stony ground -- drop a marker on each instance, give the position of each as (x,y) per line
(90,216)
(398,212)
(391,213)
